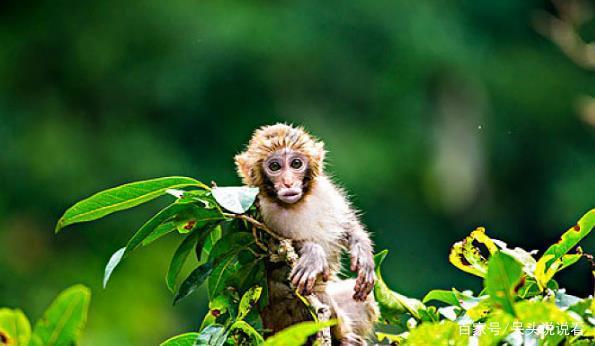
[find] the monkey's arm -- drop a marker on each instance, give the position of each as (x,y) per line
(312,262)
(362,259)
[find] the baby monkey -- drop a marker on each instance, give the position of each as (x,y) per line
(299,202)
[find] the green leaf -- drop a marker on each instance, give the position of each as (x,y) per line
(217,307)
(570,238)
(237,199)
(120,198)
(160,231)
(249,299)
(504,274)
(193,281)
(445,333)
(297,334)
(15,328)
(203,249)
(496,328)
(444,296)
(196,217)
(179,258)
(555,258)
(254,337)
(149,226)
(393,304)
(224,257)
(111,265)
(63,320)
(213,335)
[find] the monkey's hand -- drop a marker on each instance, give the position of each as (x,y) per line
(362,262)
(312,262)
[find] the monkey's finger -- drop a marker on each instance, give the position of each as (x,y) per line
(302,285)
(295,269)
(297,276)
(326,273)
(354,263)
(310,283)
(358,296)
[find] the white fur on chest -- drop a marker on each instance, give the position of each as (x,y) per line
(317,218)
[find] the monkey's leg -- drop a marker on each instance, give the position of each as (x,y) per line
(356,319)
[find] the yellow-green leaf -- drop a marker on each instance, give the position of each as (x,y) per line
(249,299)
(15,328)
(62,322)
(297,334)
(465,256)
(571,237)
(445,333)
(255,338)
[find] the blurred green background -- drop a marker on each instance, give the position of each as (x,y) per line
(439,117)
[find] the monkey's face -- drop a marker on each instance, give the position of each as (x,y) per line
(286,171)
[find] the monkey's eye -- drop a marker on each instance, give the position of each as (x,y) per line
(296,163)
(274,166)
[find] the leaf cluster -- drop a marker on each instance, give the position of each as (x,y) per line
(218,227)
(520,303)
(221,224)
(61,323)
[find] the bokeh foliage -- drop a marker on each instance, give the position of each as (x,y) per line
(438,119)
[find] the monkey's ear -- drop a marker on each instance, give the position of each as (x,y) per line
(320,152)
(242,163)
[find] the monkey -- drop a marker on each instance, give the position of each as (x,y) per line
(300,202)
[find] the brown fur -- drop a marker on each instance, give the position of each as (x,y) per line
(268,139)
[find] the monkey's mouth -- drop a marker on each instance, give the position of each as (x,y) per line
(290,195)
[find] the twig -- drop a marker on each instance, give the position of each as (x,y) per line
(256,223)
(258,243)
